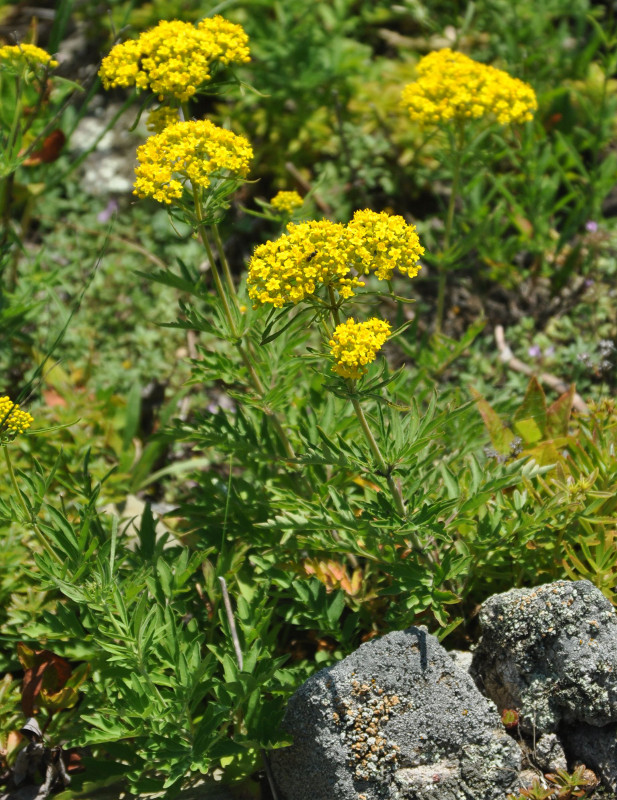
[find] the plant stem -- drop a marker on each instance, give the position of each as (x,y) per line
(395,489)
(225,264)
(220,289)
(457,152)
(384,469)
(45,544)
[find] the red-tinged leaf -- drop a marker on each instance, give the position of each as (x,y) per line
(72,759)
(501,436)
(529,421)
(48,151)
(510,717)
(558,414)
(43,670)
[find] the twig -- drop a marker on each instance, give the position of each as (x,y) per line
(232,624)
(510,360)
(269,774)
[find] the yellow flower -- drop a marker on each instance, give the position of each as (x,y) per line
(161,117)
(309,255)
(324,253)
(12,420)
(355,344)
(383,243)
(28,55)
(175,58)
(192,151)
(452,86)
(286,201)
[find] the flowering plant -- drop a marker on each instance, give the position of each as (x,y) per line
(453,91)
(12,419)
(354,345)
(453,87)
(191,153)
(175,59)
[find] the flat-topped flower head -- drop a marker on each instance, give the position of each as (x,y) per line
(310,255)
(12,419)
(286,201)
(26,55)
(195,151)
(383,243)
(452,86)
(175,58)
(356,344)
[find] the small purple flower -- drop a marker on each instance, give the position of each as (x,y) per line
(107,213)
(534,351)
(588,282)
(591,226)
(550,351)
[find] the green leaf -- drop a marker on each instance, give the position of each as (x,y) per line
(132,416)
(147,534)
(529,420)
(558,415)
(501,436)
(165,576)
(62,533)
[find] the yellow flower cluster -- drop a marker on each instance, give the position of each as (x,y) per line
(175,58)
(286,201)
(452,86)
(355,344)
(12,420)
(309,255)
(324,253)
(161,118)
(189,151)
(383,243)
(26,54)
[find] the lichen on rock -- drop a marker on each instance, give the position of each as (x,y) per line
(396,720)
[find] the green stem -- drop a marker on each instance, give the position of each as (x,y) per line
(225,264)
(12,140)
(384,469)
(441,270)
(6,189)
(255,379)
(45,544)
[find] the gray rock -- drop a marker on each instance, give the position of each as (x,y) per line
(396,720)
(110,168)
(596,748)
(462,659)
(527,778)
(550,653)
(548,754)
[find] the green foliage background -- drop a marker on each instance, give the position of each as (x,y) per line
(153,470)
